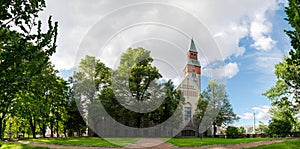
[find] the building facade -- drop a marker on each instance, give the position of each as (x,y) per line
(191,89)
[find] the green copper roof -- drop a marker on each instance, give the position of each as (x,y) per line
(192,46)
(193,62)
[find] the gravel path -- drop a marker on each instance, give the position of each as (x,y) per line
(150,143)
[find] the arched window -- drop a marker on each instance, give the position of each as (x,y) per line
(187,113)
(194,73)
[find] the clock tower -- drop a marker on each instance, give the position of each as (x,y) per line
(193,67)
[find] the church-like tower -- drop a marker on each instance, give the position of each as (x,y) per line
(190,88)
(193,67)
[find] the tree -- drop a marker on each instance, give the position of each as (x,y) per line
(215,100)
(292,73)
(200,111)
(262,128)
(135,69)
(23,54)
(278,127)
(232,132)
(288,71)
(173,100)
(43,101)
(88,80)
(241,130)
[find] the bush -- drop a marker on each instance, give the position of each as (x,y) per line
(232,132)
(281,128)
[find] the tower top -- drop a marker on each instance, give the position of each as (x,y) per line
(193,46)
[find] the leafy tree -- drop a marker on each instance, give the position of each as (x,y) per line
(288,71)
(173,100)
(262,128)
(23,54)
(88,80)
(200,111)
(241,130)
(215,100)
(232,132)
(43,102)
(292,72)
(136,71)
(74,121)
(285,113)
(278,127)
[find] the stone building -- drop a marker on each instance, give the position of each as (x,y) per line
(190,87)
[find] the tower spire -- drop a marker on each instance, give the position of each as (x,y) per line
(192,46)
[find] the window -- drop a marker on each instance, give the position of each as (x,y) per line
(194,73)
(187,113)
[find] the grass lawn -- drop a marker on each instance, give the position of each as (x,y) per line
(86,141)
(292,144)
(213,141)
(18,146)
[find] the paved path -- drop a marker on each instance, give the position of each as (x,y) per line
(156,143)
(146,143)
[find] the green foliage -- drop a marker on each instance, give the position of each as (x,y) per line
(87,81)
(214,99)
(241,130)
(262,128)
(134,81)
(288,71)
(141,76)
(232,132)
(23,54)
(173,101)
(281,128)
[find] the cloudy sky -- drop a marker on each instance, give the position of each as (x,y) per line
(238,40)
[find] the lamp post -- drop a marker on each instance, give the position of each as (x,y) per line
(254,123)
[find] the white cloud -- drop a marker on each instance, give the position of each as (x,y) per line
(227,21)
(264,61)
(260,29)
(228,71)
(261,113)
(247,116)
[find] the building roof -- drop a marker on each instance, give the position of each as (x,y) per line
(193,62)
(193,46)
(195,84)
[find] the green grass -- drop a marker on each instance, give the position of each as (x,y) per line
(181,142)
(292,144)
(86,141)
(18,146)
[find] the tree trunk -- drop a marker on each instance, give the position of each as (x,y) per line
(51,129)
(214,129)
(44,130)
(90,132)
(2,125)
(139,120)
(33,127)
(65,132)
(57,129)
(78,132)
(1,129)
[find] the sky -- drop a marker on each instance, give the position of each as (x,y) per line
(239,41)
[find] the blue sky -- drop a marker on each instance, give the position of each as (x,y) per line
(249,35)
(246,87)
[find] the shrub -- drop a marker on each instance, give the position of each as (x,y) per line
(281,128)
(232,132)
